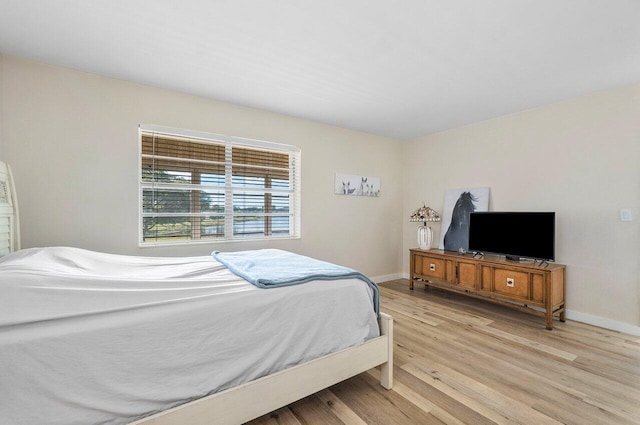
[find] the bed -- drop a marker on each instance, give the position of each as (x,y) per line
(89,337)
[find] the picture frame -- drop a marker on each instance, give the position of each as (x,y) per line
(356,185)
(458,204)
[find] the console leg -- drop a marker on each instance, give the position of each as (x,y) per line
(411,284)
(562,316)
(549,320)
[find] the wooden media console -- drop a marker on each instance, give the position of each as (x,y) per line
(526,285)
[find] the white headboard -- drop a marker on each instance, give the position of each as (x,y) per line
(9,227)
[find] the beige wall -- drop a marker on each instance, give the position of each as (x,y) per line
(71,139)
(580,158)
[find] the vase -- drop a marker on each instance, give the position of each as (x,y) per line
(425,237)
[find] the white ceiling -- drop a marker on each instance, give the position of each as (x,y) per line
(401,68)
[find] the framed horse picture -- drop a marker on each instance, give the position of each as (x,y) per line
(458,204)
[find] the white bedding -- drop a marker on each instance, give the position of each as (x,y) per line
(90,338)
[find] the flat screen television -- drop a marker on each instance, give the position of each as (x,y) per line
(513,234)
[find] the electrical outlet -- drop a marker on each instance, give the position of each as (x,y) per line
(510,282)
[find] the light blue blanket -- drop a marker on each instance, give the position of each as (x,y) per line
(272,268)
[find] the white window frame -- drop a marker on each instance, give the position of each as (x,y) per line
(229,141)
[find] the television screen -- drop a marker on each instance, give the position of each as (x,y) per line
(514,234)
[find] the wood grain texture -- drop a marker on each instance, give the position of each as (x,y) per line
(538,288)
(460,360)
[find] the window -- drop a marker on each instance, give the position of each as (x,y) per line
(200,187)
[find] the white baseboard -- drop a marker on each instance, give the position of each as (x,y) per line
(603,322)
(387,277)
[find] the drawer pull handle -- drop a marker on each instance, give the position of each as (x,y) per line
(432,267)
(510,282)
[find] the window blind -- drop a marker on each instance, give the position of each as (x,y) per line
(216,188)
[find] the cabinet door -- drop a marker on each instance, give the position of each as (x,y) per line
(451,274)
(486,278)
(467,274)
(512,283)
(430,267)
(537,287)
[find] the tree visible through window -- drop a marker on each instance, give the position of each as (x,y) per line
(205,190)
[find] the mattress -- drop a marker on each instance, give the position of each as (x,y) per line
(91,338)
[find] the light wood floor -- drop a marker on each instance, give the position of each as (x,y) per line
(466,361)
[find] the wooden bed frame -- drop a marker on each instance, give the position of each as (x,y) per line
(256,398)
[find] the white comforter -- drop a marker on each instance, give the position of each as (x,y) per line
(90,338)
